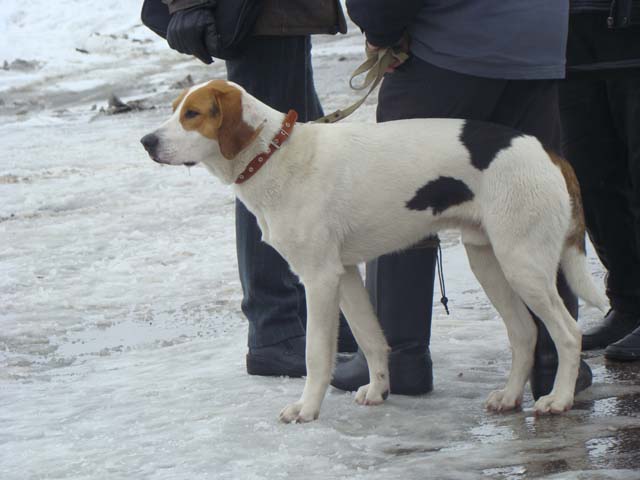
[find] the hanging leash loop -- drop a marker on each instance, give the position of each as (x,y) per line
(375,66)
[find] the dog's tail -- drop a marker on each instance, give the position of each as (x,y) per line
(573,261)
(574,267)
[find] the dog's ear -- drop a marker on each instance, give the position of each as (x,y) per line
(234,134)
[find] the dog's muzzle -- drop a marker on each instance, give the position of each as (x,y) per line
(150,143)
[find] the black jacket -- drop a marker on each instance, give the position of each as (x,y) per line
(620,13)
(601,42)
(383,21)
(286,17)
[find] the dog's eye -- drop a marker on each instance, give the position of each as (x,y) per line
(191,114)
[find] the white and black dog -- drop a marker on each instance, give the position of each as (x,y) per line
(328,197)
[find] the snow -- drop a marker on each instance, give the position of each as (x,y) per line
(122,342)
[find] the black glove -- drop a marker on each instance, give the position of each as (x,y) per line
(188,30)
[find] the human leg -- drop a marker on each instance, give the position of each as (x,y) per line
(271,302)
(596,151)
(624,95)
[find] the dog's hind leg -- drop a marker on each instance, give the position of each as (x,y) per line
(520,326)
(356,306)
(322,342)
(532,274)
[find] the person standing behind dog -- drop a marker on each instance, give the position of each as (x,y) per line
(273,65)
(495,61)
(600,111)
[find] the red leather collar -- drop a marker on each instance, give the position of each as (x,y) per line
(260,159)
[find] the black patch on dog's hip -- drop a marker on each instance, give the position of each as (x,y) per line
(440,194)
(484,140)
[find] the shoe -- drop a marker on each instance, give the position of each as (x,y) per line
(410,371)
(627,349)
(616,325)
(543,375)
(282,359)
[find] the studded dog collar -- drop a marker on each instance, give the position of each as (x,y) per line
(260,159)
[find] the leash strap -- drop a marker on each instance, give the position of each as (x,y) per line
(375,66)
(443,292)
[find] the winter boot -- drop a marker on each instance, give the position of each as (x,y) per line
(285,358)
(401,290)
(616,325)
(626,349)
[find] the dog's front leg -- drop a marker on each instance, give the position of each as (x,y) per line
(322,339)
(357,308)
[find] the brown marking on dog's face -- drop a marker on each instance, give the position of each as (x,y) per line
(576,236)
(215,111)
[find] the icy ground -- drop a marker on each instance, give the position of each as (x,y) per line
(121,340)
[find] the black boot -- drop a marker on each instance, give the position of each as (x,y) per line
(545,363)
(401,290)
(410,371)
(616,325)
(282,359)
(543,373)
(627,349)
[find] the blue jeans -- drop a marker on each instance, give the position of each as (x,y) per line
(278,72)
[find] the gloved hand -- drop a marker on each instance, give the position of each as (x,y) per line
(188,29)
(401,46)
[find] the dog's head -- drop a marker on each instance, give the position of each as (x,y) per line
(207,126)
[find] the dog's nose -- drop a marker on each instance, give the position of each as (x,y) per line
(150,142)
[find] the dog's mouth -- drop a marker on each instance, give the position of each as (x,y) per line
(161,161)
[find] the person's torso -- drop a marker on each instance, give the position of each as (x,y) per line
(511,39)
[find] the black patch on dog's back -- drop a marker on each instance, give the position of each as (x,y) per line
(440,194)
(484,140)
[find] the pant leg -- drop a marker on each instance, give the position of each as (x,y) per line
(277,71)
(271,299)
(531,106)
(401,284)
(599,158)
(624,101)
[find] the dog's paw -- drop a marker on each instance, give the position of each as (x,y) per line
(296,413)
(503,401)
(368,395)
(553,403)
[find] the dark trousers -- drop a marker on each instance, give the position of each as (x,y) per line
(278,72)
(601,125)
(401,285)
